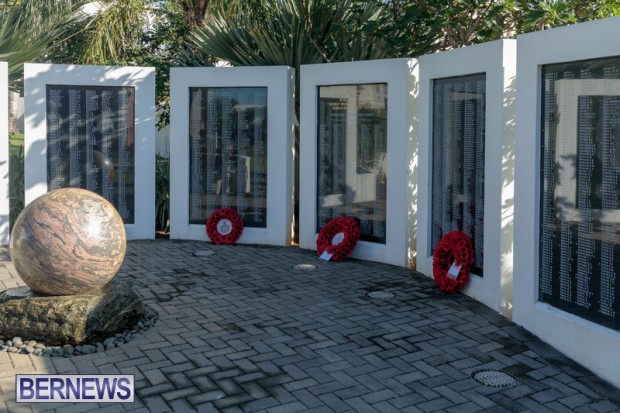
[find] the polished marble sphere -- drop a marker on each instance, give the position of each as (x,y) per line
(68,241)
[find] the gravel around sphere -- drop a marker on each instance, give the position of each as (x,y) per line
(25,346)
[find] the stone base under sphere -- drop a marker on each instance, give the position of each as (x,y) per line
(68,241)
(74,319)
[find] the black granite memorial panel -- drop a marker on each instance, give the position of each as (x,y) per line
(458,134)
(228,153)
(90,142)
(580,189)
(351,157)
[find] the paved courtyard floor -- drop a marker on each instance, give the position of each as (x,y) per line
(244,331)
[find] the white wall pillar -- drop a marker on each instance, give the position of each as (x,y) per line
(497,61)
(37,77)
(400,76)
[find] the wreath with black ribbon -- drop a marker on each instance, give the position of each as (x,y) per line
(338,238)
(455,248)
(224,226)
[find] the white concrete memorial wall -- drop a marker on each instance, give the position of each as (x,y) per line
(567,193)
(466,162)
(232,147)
(4,153)
(358,154)
(93,127)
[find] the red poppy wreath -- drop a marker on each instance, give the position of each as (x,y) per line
(453,250)
(338,238)
(224,226)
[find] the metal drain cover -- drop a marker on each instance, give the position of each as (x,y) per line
(494,378)
(204,253)
(381,295)
(305,267)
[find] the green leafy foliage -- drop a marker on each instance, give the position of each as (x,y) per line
(164,46)
(546,14)
(142,35)
(29,29)
(416,27)
(292,32)
(106,36)
(16,176)
(295,32)
(257,32)
(162,193)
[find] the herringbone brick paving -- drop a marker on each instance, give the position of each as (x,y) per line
(242,331)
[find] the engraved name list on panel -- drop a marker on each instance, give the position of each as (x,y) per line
(228,153)
(90,142)
(580,208)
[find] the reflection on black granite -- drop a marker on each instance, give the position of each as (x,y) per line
(228,153)
(580,188)
(90,142)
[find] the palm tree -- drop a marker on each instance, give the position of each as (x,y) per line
(106,32)
(198,12)
(292,33)
(116,29)
(28,30)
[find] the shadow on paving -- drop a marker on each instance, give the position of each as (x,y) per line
(242,330)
